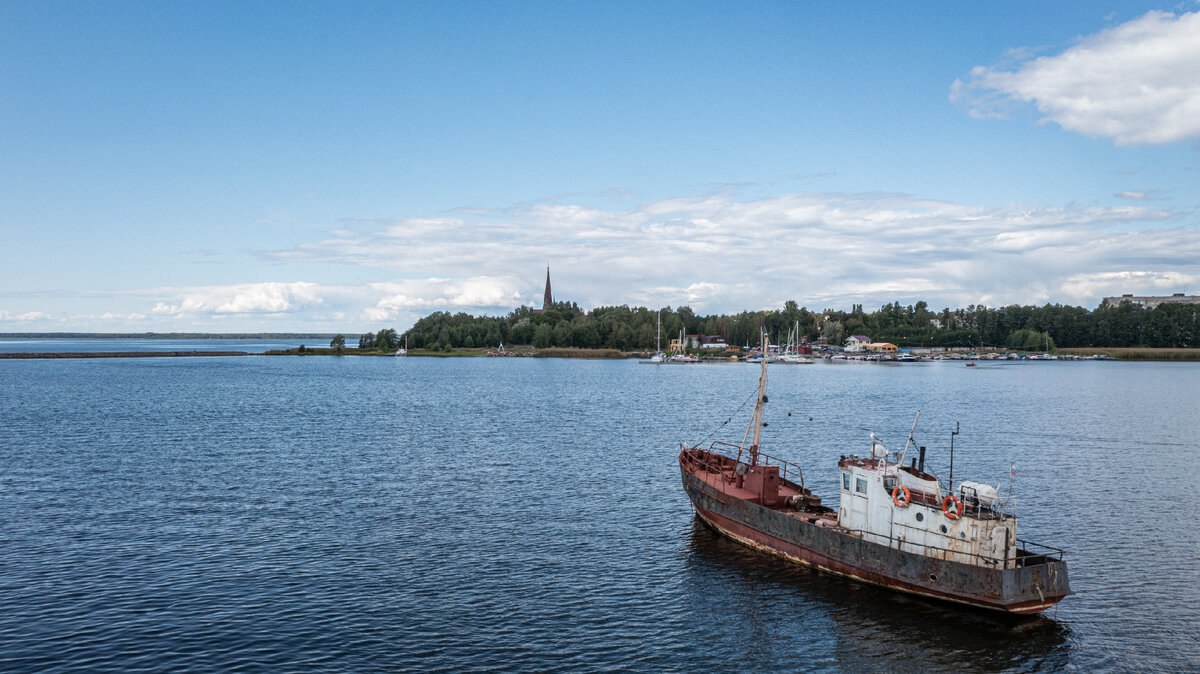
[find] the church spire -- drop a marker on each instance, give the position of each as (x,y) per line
(548,299)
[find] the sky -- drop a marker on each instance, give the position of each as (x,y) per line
(342,167)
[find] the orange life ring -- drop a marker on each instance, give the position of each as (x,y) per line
(957,511)
(901,502)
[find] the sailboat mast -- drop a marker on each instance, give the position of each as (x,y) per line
(658,334)
(756,420)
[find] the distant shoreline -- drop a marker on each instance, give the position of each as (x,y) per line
(1128,354)
(172,335)
(118,354)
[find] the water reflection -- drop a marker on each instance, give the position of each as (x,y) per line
(849,624)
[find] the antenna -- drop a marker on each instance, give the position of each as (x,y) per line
(952,434)
(910,438)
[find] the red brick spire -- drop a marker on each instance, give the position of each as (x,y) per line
(548,299)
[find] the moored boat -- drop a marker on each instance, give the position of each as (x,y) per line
(896,526)
(659,357)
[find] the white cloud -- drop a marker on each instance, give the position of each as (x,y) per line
(250,298)
(434,293)
(1137,83)
(22,317)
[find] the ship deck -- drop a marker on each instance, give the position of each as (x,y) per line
(718,465)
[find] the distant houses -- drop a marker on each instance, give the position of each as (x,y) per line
(1151,301)
(684,343)
(705,342)
(856,343)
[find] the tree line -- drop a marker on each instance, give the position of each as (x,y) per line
(626,328)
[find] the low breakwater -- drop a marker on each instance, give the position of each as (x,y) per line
(124,354)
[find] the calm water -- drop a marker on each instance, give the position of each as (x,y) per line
(352,514)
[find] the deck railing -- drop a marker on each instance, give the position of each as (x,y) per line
(1024,557)
(1050,552)
(787,470)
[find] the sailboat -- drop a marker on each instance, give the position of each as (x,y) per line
(403,351)
(659,357)
(791,352)
(896,526)
(681,355)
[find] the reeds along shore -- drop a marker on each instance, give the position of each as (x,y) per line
(1135,353)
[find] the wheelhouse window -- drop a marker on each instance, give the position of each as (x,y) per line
(846,481)
(860,485)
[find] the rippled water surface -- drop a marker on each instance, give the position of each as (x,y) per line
(352,514)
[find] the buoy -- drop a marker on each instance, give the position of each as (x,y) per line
(952,506)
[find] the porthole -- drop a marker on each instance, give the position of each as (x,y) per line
(933,577)
(944,529)
(962,535)
(920,517)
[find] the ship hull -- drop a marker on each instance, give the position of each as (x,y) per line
(1024,590)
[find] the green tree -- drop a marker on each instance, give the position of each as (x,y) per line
(562,334)
(387,340)
(1030,340)
(833,333)
(338,343)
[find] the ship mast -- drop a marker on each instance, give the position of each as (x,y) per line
(756,421)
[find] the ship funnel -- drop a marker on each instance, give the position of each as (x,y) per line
(921,466)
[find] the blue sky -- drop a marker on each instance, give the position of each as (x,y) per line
(320,166)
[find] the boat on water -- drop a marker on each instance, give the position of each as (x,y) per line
(897,526)
(659,357)
(679,354)
(791,352)
(403,351)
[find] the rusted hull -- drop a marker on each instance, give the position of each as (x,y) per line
(1025,590)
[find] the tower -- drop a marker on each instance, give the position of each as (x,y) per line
(548,299)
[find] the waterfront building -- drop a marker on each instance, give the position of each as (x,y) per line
(856,343)
(1151,301)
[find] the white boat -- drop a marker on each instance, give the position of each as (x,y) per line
(791,352)
(659,357)
(680,355)
(403,351)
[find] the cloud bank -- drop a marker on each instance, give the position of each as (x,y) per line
(716,253)
(713,252)
(1137,83)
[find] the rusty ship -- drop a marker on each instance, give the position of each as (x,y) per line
(897,526)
